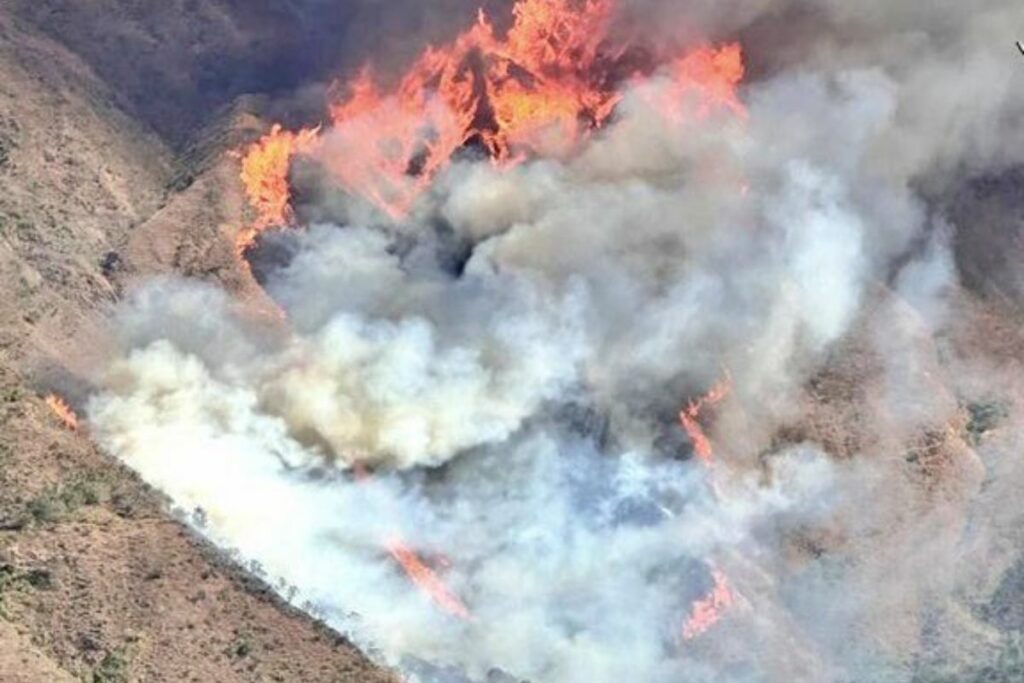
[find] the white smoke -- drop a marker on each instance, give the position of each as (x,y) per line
(522,413)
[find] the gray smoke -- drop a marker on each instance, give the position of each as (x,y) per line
(520,416)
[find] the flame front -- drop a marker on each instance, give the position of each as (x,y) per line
(553,77)
(501,94)
(62,410)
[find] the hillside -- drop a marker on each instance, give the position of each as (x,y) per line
(117,119)
(96,582)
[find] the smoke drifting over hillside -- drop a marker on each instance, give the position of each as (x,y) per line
(461,445)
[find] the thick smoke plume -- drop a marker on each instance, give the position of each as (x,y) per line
(494,380)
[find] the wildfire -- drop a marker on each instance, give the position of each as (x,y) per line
(537,89)
(554,76)
(62,410)
(700,82)
(265,166)
(426,579)
(707,611)
(500,94)
(691,413)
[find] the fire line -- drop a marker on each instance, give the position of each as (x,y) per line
(707,611)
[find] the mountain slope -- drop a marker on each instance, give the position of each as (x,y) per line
(96,581)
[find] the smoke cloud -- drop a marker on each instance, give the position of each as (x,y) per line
(509,362)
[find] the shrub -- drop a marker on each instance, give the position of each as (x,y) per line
(113,669)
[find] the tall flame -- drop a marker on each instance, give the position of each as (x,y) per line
(265,166)
(554,76)
(501,94)
(62,410)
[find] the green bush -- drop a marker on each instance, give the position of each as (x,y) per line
(6,145)
(56,503)
(113,669)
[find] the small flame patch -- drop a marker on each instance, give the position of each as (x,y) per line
(689,418)
(426,579)
(63,411)
(707,611)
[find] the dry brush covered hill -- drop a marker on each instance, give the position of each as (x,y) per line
(97,581)
(115,120)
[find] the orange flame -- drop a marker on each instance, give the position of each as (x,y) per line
(265,166)
(502,94)
(691,413)
(426,579)
(541,87)
(700,82)
(707,611)
(415,568)
(62,410)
